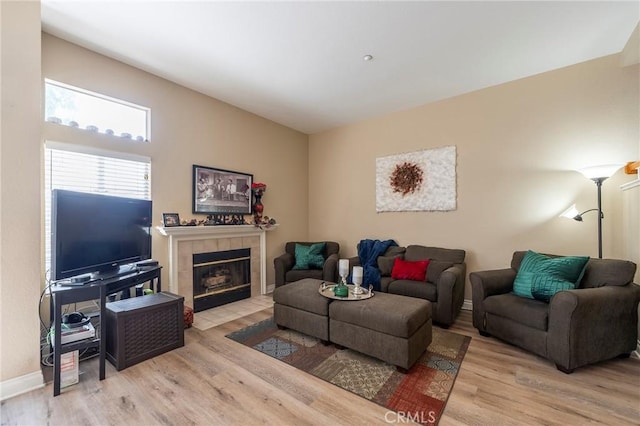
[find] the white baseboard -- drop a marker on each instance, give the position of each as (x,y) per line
(467,305)
(19,385)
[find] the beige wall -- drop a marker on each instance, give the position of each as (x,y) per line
(517,147)
(20,209)
(189,128)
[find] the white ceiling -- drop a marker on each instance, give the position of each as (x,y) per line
(301,63)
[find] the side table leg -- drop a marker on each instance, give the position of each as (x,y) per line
(103,330)
(57,345)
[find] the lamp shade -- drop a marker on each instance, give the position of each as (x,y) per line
(570,213)
(602,171)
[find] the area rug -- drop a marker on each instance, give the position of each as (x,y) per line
(419,396)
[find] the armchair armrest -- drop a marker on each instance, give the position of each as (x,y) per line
(450,288)
(330,268)
(283,264)
(592,324)
(485,284)
(489,283)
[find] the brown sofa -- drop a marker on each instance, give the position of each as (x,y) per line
(444,283)
(594,322)
(284,264)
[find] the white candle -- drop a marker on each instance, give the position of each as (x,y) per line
(356,275)
(343,267)
(357,271)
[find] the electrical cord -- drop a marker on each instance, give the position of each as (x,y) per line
(46,351)
(46,289)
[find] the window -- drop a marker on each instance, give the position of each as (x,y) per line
(79,168)
(80,108)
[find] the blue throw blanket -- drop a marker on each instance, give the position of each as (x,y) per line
(368,252)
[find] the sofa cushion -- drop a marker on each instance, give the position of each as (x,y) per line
(416,252)
(516,260)
(436,268)
(309,257)
(541,276)
(598,272)
(395,251)
(423,290)
(331,247)
(407,270)
(385,264)
(532,313)
(601,272)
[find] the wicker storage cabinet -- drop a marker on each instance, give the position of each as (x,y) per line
(143,327)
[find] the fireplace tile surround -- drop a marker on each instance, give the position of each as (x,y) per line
(185,241)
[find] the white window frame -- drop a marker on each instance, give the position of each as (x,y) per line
(146,137)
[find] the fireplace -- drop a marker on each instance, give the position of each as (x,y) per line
(185,241)
(221,277)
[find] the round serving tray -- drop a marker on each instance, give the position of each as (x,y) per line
(327,291)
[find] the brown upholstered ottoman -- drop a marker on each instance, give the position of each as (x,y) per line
(393,328)
(299,306)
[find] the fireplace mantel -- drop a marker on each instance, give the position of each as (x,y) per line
(200,232)
(178,234)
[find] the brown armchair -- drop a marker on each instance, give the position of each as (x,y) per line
(594,322)
(284,264)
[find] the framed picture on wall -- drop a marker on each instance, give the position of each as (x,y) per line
(219,191)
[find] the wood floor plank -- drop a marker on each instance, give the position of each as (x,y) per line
(213,380)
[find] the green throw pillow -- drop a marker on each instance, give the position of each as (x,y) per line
(540,276)
(309,257)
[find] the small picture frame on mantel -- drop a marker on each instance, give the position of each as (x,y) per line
(170,219)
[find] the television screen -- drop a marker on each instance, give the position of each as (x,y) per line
(94,233)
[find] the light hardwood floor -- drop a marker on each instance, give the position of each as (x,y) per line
(213,380)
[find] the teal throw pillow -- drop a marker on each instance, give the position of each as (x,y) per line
(309,257)
(540,276)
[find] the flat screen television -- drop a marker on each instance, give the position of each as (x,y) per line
(96,234)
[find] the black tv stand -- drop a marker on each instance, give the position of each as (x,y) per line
(100,289)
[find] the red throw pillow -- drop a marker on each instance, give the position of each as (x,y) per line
(407,270)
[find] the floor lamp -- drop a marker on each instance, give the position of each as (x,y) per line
(598,174)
